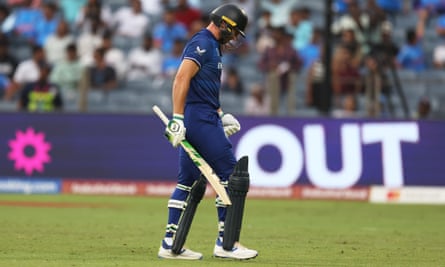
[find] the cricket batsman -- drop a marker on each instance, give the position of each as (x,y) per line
(199,118)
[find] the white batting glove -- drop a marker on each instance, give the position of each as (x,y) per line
(230,124)
(175,130)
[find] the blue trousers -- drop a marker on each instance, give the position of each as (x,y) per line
(205,133)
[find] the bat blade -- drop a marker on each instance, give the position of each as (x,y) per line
(199,161)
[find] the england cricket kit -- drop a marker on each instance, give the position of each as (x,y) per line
(205,136)
(204,128)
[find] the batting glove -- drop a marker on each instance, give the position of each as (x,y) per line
(175,130)
(230,124)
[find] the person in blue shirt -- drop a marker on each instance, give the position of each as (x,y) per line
(311,52)
(390,6)
(341,6)
(167,31)
(24,20)
(411,56)
(171,62)
(47,24)
(199,118)
(300,27)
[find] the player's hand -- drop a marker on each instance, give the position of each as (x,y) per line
(230,124)
(175,130)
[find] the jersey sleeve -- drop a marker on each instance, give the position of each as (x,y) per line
(198,50)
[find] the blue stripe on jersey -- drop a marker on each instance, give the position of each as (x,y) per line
(204,50)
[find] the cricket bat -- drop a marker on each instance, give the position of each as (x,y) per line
(199,161)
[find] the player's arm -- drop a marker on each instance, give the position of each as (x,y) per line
(181,84)
(175,130)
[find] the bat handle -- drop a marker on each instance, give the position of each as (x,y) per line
(160,114)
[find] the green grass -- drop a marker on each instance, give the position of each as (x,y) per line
(126,231)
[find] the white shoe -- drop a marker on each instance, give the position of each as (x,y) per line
(238,251)
(165,252)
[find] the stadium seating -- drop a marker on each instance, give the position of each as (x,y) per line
(139,96)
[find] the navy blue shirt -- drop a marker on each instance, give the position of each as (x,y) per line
(205,51)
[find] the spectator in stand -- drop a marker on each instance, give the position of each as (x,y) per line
(301,27)
(167,31)
(357,20)
(172,61)
(56,43)
(89,40)
(411,56)
(68,72)
(71,76)
(257,103)
(348,39)
(232,83)
(130,23)
(279,10)
(41,95)
(264,36)
(25,18)
(102,76)
(8,65)
(145,61)
(27,71)
(186,14)
(280,65)
(70,9)
(439,50)
(47,24)
(386,50)
(377,88)
(114,56)
(93,12)
(346,79)
(311,52)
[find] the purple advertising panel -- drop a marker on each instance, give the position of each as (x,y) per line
(282,152)
(92,146)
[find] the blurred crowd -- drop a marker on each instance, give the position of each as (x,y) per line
(53,48)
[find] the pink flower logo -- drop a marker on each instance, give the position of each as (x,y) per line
(33,143)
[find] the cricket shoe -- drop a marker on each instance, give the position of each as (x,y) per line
(165,252)
(238,251)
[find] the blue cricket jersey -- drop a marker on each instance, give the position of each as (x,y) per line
(204,127)
(205,51)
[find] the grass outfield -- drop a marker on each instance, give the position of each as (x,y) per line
(66,230)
